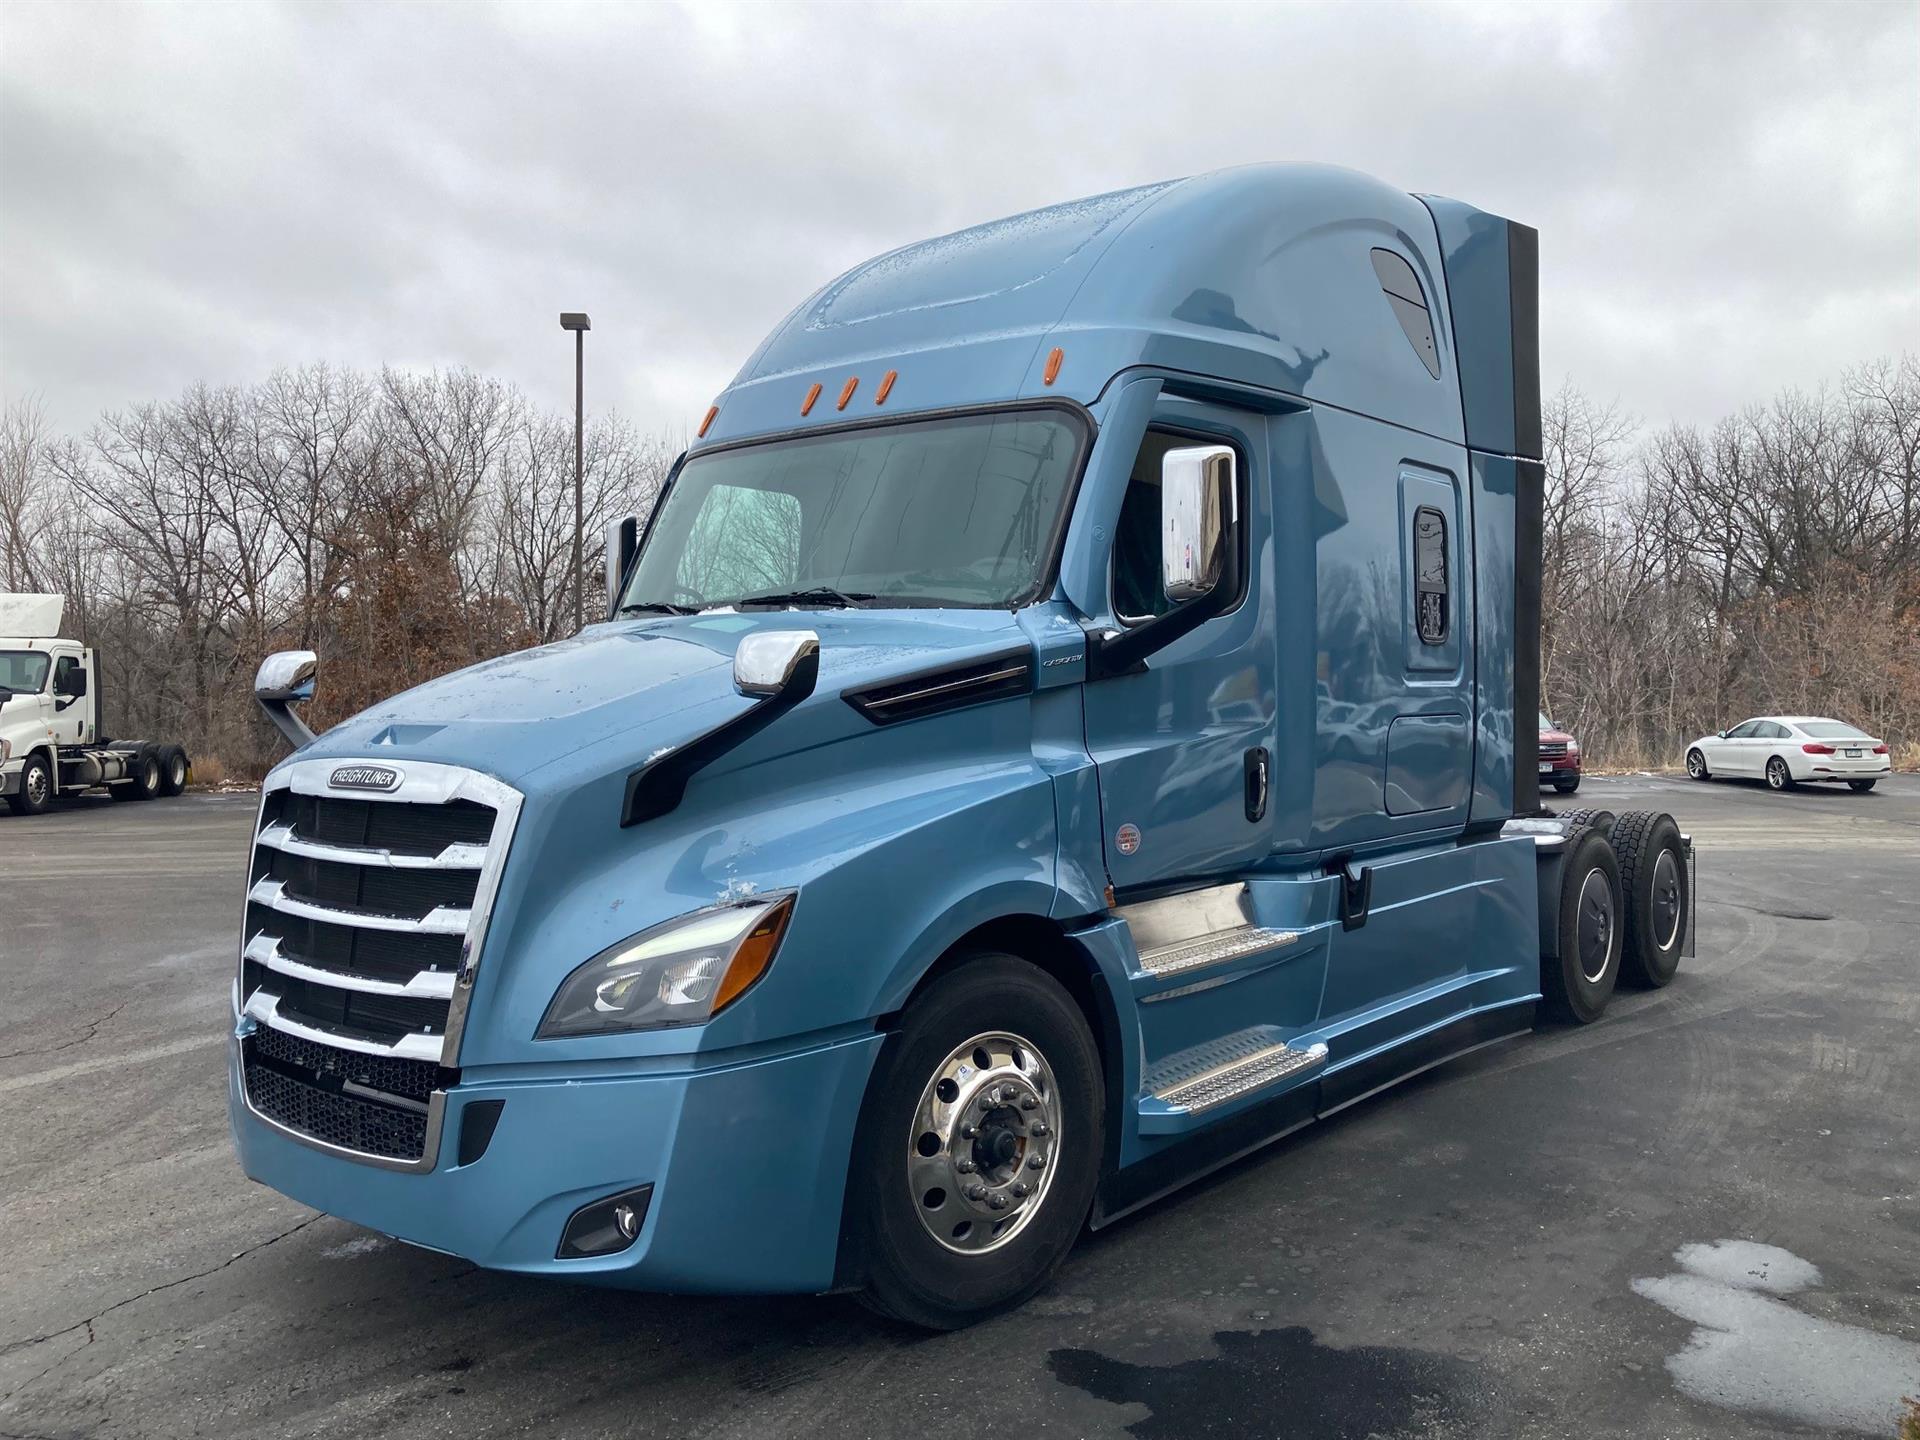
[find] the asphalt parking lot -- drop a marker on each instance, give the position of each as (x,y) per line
(1527,1242)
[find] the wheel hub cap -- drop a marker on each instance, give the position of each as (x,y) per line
(980,1158)
(1666,899)
(1596,927)
(36,785)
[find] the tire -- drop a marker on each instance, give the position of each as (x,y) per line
(1593,817)
(1779,777)
(174,769)
(145,770)
(1567,787)
(1861,787)
(1654,885)
(940,1265)
(1578,984)
(35,796)
(1697,765)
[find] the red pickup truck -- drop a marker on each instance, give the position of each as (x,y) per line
(1559,757)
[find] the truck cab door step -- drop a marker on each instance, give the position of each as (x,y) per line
(1197,928)
(1213,949)
(1183,1088)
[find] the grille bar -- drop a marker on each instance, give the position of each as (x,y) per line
(264,949)
(265,1008)
(460,855)
(441,920)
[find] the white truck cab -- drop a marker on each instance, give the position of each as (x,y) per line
(50,738)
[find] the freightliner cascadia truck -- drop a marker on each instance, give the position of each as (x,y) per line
(1067,721)
(51,743)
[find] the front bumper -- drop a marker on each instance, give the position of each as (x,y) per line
(10,774)
(747,1161)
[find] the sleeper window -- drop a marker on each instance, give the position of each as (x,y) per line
(1410,308)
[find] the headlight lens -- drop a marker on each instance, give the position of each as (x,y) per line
(681,973)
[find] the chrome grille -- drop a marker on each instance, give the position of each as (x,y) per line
(364,923)
(1553,749)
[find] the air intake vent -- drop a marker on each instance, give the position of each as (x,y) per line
(935,691)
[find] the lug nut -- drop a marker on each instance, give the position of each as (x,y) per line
(1027,1102)
(968,1132)
(965,1167)
(1036,1161)
(1038,1130)
(976,1192)
(1022,1189)
(997,1201)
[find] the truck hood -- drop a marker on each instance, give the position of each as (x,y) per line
(661,680)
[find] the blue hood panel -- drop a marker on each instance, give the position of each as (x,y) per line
(661,681)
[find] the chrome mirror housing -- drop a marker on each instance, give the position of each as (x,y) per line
(1196,508)
(766,662)
(284,679)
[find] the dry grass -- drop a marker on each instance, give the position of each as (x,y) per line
(1909,1428)
(210,771)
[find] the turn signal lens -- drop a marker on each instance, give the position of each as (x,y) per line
(1818,749)
(1054,357)
(707,423)
(756,952)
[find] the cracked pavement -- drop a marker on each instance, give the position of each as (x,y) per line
(1458,1258)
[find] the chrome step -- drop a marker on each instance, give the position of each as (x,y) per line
(1212,1074)
(1223,945)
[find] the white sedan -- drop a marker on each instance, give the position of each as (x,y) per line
(1785,750)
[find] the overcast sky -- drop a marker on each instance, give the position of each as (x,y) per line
(1728,196)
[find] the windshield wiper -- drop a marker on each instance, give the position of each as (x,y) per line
(818,595)
(655,607)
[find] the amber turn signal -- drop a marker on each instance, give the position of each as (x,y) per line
(752,956)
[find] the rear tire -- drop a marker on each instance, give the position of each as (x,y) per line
(35,796)
(1653,882)
(1591,816)
(145,783)
(1577,986)
(1779,777)
(1697,765)
(935,1252)
(1861,787)
(174,769)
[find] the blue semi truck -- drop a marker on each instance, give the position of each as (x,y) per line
(1067,722)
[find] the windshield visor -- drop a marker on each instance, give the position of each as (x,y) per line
(962,511)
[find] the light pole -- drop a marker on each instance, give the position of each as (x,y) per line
(577,322)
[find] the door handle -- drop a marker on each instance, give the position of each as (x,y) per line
(1257,765)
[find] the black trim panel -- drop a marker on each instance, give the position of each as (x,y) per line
(1523,305)
(1239,1135)
(1530,482)
(946,687)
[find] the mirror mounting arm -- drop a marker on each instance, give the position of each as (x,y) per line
(284,680)
(1125,652)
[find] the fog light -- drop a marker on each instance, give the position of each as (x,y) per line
(606,1226)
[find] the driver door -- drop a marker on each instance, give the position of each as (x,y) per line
(1737,753)
(1184,745)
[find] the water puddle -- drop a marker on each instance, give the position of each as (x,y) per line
(1275,1384)
(1755,1351)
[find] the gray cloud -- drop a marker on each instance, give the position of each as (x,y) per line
(1728,196)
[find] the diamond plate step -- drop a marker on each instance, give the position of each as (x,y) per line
(1214,949)
(1210,1075)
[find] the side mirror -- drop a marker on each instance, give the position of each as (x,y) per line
(1719,734)
(766,662)
(1196,510)
(623,538)
(286,678)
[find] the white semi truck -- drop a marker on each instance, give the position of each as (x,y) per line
(50,739)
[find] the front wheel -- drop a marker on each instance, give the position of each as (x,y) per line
(36,788)
(1779,777)
(1697,765)
(1860,787)
(1567,787)
(980,1146)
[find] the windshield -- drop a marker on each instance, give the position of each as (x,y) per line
(1545,724)
(23,671)
(1831,730)
(963,511)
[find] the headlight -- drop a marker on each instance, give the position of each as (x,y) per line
(680,973)
(1573,747)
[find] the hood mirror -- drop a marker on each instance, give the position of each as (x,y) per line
(1196,512)
(623,538)
(286,678)
(767,661)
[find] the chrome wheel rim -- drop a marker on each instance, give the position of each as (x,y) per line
(37,785)
(1696,764)
(179,773)
(1595,926)
(986,1135)
(1666,899)
(1777,774)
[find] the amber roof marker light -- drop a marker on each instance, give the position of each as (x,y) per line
(706,424)
(846,391)
(806,405)
(1054,357)
(886,387)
